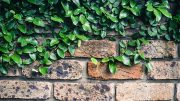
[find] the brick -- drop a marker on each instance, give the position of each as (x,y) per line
(144,91)
(178,92)
(160,49)
(96,48)
(25,89)
(123,72)
(61,69)
(165,70)
(83,92)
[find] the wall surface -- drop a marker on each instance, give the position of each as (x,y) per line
(77,78)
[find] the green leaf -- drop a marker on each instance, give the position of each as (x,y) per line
(39,49)
(43,70)
(133,3)
(87,27)
(4,50)
(81,37)
(123,14)
(46,55)
(53,56)
(136,59)
(29,49)
(124,2)
(47,61)
(124,59)
(71,49)
(56,18)
(93,60)
(38,22)
(8,37)
(16,58)
(148,66)
(157,14)
(77,2)
(52,2)
(22,28)
(18,16)
(33,56)
(54,42)
(3,70)
(60,53)
(112,67)
(165,12)
(113,18)
(7,1)
(82,19)
(105,59)
(149,6)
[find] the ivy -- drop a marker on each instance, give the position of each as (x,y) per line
(45,30)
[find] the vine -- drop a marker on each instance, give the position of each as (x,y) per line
(24,23)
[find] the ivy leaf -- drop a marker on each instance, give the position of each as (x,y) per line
(132,3)
(148,66)
(112,67)
(60,53)
(82,19)
(71,49)
(18,16)
(29,49)
(3,70)
(22,28)
(7,1)
(76,2)
(38,22)
(16,58)
(113,18)
(123,14)
(74,19)
(33,56)
(53,56)
(165,12)
(54,42)
(157,14)
(56,18)
(39,49)
(8,37)
(87,27)
(93,60)
(4,50)
(43,70)
(124,59)
(149,6)
(105,59)
(136,59)
(52,2)
(124,2)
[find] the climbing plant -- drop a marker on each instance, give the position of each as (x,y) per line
(45,30)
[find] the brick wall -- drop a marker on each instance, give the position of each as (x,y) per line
(76,78)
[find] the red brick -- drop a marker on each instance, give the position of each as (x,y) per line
(83,92)
(25,89)
(165,70)
(160,49)
(144,91)
(123,72)
(96,48)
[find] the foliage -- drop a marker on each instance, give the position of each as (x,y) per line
(23,24)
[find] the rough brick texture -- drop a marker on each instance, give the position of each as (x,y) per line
(61,69)
(96,48)
(144,91)
(178,92)
(165,70)
(123,72)
(25,90)
(160,49)
(83,92)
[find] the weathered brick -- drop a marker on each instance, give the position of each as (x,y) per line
(83,92)
(25,89)
(160,49)
(178,92)
(61,69)
(123,72)
(144,91)
(165,70)
(96,48)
